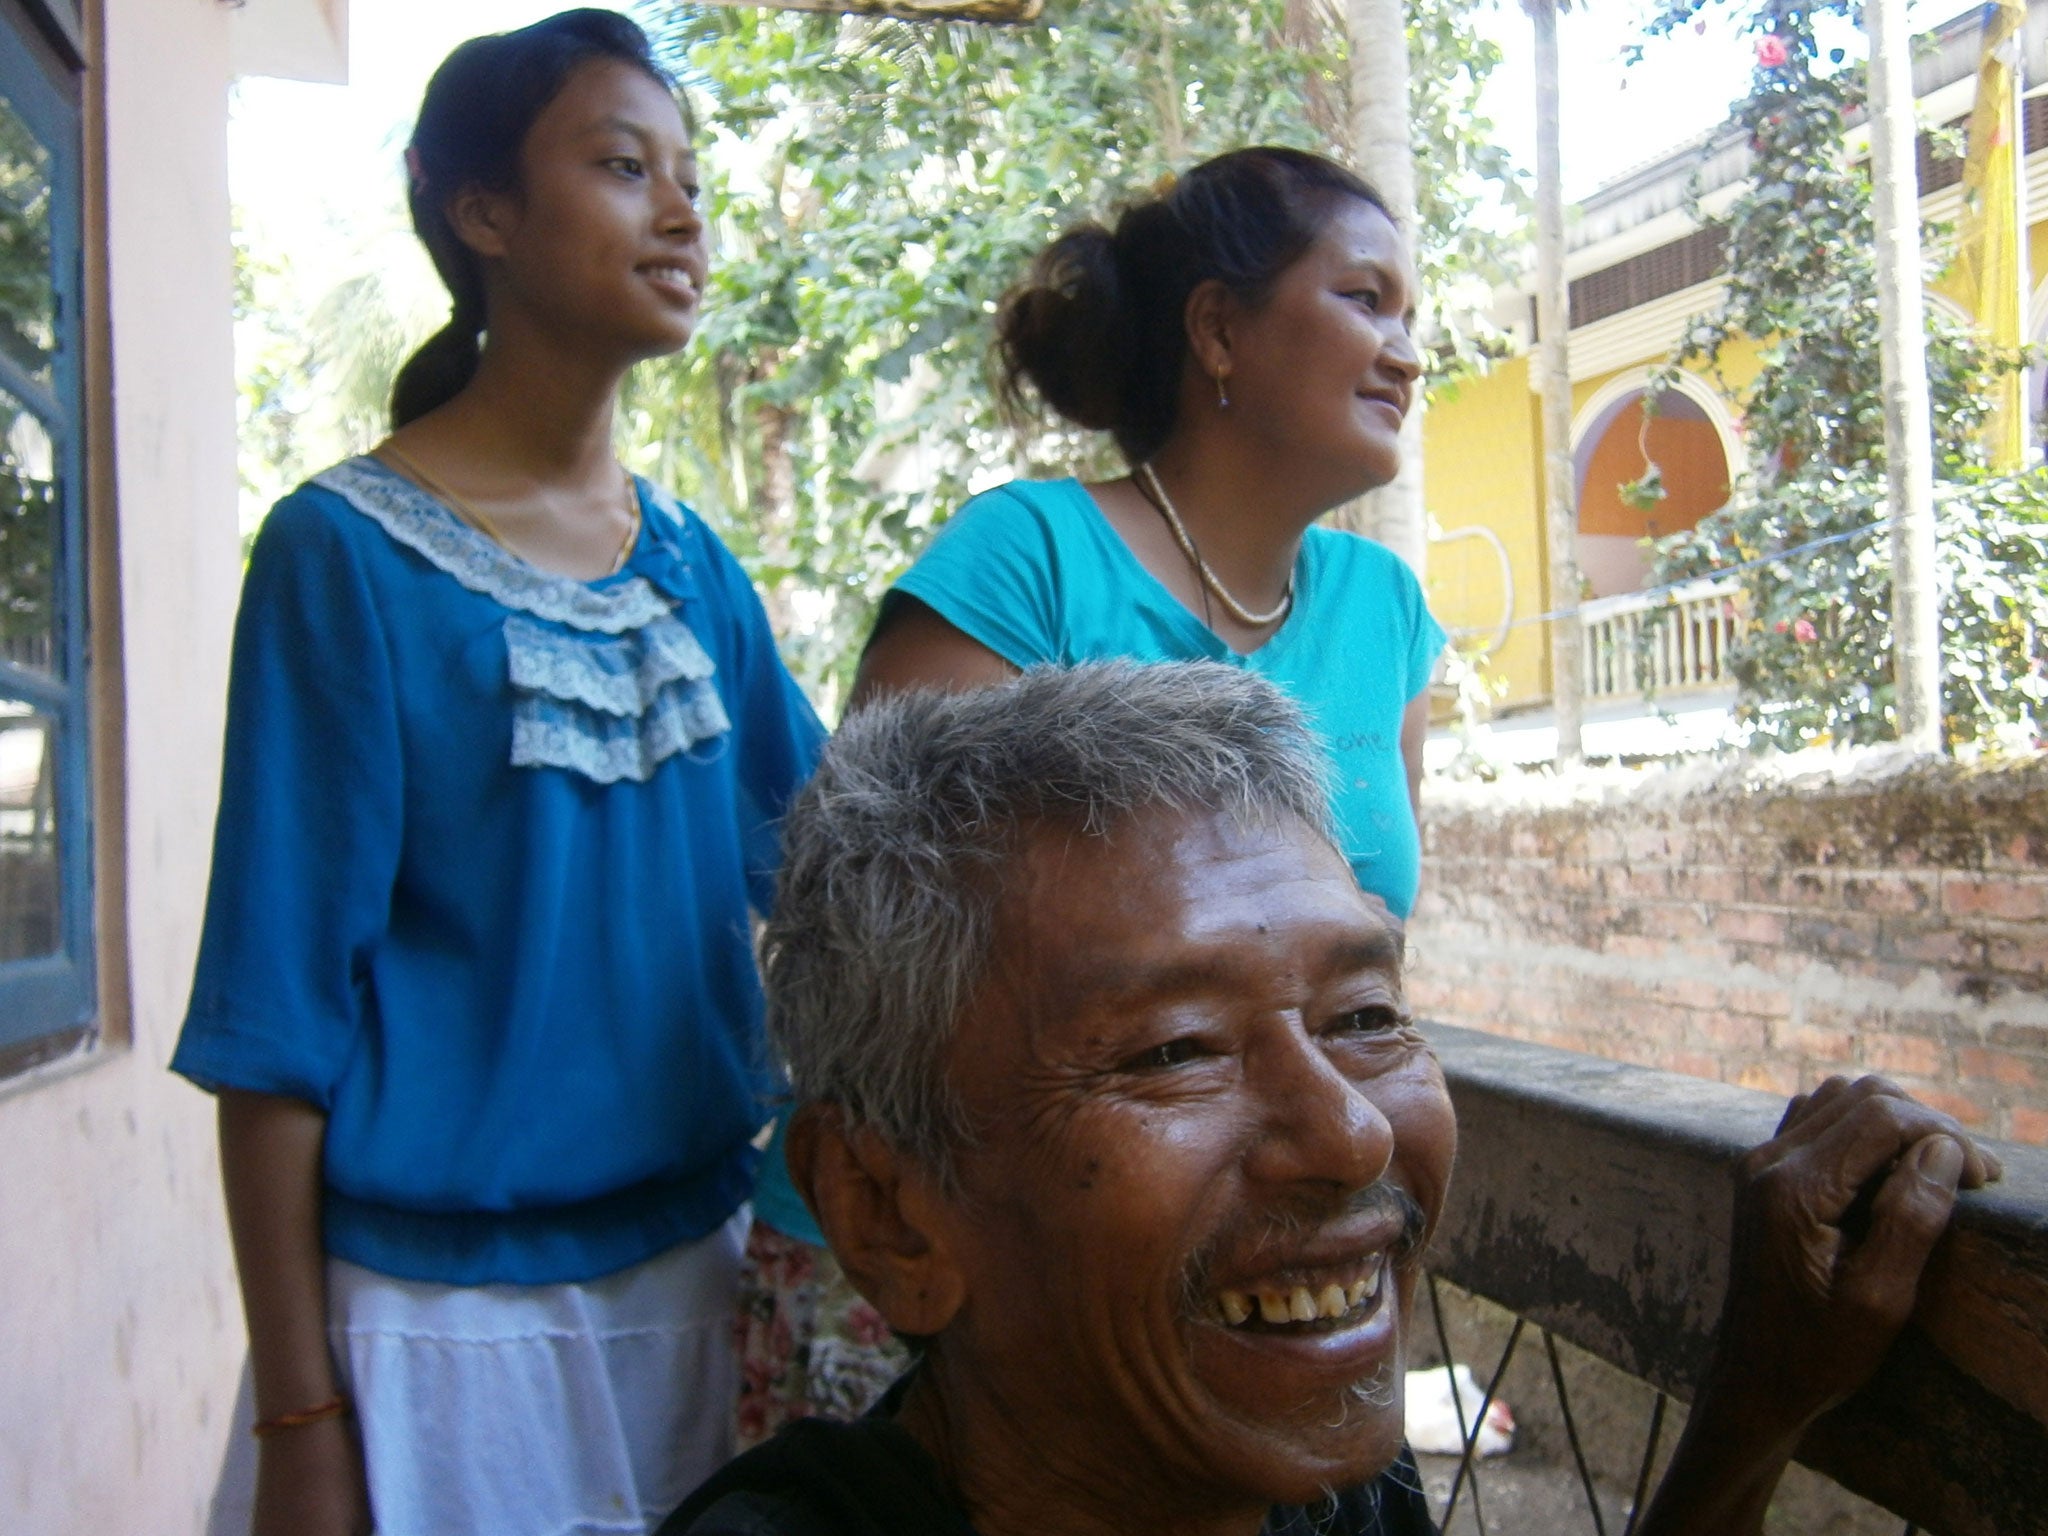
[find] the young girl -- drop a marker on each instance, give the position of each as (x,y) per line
(507,741)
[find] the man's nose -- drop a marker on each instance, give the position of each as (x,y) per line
(1316,1124)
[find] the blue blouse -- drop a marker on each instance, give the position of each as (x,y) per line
(487,847)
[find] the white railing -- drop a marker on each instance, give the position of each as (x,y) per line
(1664,642)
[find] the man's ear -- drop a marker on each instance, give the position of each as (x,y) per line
(481,219)
(1210,315)
(884,1216)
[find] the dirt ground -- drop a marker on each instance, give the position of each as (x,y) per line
(1520,1494)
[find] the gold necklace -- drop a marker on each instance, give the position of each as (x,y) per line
(474,515)
(1185,540)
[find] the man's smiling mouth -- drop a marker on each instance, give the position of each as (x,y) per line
(1324,1307)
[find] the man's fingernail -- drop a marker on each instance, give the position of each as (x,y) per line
(1941,1160)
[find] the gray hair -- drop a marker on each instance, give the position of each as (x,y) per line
(896,856)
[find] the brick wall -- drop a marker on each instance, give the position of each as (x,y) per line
(1766,924)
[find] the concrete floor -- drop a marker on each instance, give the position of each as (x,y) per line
(1521,1494)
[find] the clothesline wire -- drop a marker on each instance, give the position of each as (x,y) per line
(1726,570)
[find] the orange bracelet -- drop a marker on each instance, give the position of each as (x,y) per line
(333,1408)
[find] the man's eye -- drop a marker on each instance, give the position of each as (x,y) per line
(1170,1054)
(626,165)
(1367,298)
(1373,1020)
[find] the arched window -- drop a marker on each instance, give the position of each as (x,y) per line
(1689,436)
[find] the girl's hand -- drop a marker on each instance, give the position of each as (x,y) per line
(310,1482)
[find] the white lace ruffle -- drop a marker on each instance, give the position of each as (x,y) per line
(549,733)
(422,524)
(621,687)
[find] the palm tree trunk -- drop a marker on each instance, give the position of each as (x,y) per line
(1382,149)
(1902,353)
(1553,324)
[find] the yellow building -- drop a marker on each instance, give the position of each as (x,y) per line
(1640,268)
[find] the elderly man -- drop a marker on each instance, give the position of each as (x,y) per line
(1107,1100)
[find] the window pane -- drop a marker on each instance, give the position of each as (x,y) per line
(30,900)
(28,539)
(28,291)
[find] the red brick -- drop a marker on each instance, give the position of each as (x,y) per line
(1677,923)
(1995,1066)
(1825,1047)
(1911,1054)
(1735,1032)
(1843,933)
(1765,1002)
(2022,954)
(1603,846)
(1692,992)
(1645,846)
(1930,946)
(1965,1110)
(1723,887)
(1791,887)
(1750,925)
(1888,892)
(2015,898)
(2029,1124)
(2021,1036)
(1635,946)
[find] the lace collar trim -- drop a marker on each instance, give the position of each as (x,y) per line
(424,525)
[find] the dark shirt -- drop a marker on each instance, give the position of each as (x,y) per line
(872,1478)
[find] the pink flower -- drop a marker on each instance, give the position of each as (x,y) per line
(1779,627)
(1772,52)
(1803,631)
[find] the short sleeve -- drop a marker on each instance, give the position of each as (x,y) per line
(306,843)
(1426,636)
(993,573)
(777,733)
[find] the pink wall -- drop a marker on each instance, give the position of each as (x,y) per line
(119,1323)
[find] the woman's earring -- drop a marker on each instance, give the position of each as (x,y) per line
(1222,399)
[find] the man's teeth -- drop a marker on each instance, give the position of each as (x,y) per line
(1298,1304)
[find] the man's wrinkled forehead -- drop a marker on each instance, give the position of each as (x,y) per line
(1047,944)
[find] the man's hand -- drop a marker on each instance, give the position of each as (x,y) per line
(1835,1217)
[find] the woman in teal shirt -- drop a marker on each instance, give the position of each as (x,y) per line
(1244,336)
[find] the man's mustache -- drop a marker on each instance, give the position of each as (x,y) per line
(1293,1225)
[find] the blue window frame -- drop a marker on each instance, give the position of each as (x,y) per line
(46,939)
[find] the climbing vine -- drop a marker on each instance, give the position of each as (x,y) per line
(1804,524)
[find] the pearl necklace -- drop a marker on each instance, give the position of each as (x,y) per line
(1156,494)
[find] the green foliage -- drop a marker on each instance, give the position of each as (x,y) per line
(27,294)
(1813,662)
(876,185)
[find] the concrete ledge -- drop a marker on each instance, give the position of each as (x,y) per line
(1594,1198)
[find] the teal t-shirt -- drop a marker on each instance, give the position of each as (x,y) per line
(1033,571)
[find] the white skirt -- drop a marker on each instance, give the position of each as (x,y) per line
(550,1410)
